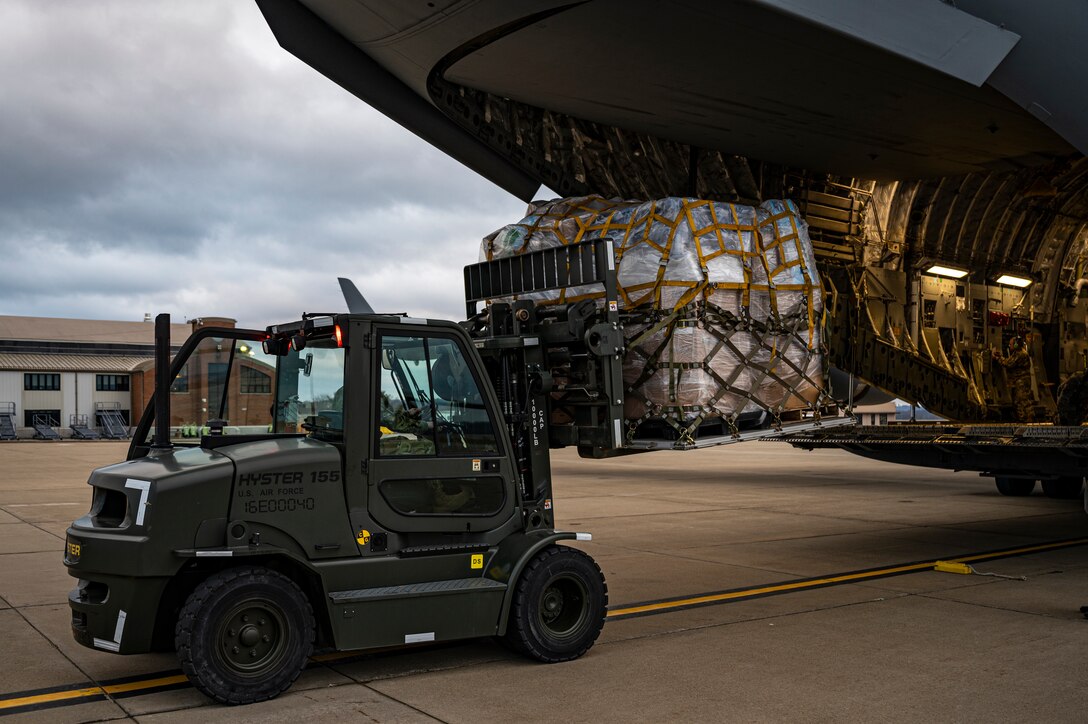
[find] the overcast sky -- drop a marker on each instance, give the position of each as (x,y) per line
(171,157)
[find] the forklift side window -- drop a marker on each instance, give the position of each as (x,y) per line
(429,402)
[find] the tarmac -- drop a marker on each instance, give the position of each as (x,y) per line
(749,582)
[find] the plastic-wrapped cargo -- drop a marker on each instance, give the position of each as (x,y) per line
(721,303)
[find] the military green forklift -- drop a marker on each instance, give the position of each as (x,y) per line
(356,481)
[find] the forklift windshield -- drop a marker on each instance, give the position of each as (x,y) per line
(230,386)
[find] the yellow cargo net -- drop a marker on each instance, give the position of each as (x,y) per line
(739,274)
(593,217)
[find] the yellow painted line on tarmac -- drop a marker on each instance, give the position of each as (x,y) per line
(91,692)
(50,698)
(145,684)
(73,696)
(663,606)
(762,591)
(1021,551)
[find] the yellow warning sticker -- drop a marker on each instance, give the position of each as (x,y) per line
(364,536)
(477,560)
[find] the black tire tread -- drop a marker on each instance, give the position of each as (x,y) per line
(199,671)
(518,635)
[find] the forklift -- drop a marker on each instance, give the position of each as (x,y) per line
(358,481)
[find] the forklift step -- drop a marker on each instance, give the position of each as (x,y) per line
(412,590)
(435,550)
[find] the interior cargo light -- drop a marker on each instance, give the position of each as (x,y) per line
(1013,281)
(339,336)
(947,271)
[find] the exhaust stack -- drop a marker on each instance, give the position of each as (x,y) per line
(162,383)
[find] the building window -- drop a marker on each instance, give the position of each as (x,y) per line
(255,382)
(111,383)
(41,381)
(41,417)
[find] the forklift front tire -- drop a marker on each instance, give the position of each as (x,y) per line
(244,635)
(559,606)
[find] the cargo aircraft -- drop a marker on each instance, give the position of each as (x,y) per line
(936,149)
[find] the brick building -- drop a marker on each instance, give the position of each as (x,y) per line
(70,374)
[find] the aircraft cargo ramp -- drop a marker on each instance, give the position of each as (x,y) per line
(1048,453)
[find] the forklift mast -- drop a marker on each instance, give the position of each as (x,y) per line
(557,368)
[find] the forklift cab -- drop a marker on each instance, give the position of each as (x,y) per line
(405,403)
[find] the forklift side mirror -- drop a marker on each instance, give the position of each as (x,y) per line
(389,355)
(274,346)
(308,365)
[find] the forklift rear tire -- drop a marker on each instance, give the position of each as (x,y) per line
(1017,487)
(244,635)
(1066,488)
(559,606)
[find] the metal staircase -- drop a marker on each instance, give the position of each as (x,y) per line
(7,421)
(81,430)
(43,428)
(110,420)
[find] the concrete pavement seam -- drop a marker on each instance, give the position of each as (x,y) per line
(933,595)
(33,525)
(404,703)
(80,669)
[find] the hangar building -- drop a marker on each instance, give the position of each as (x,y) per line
(73,375)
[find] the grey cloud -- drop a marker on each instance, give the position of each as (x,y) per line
(172,157)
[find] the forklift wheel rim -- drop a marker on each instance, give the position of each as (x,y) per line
(564,606)
(251,639)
